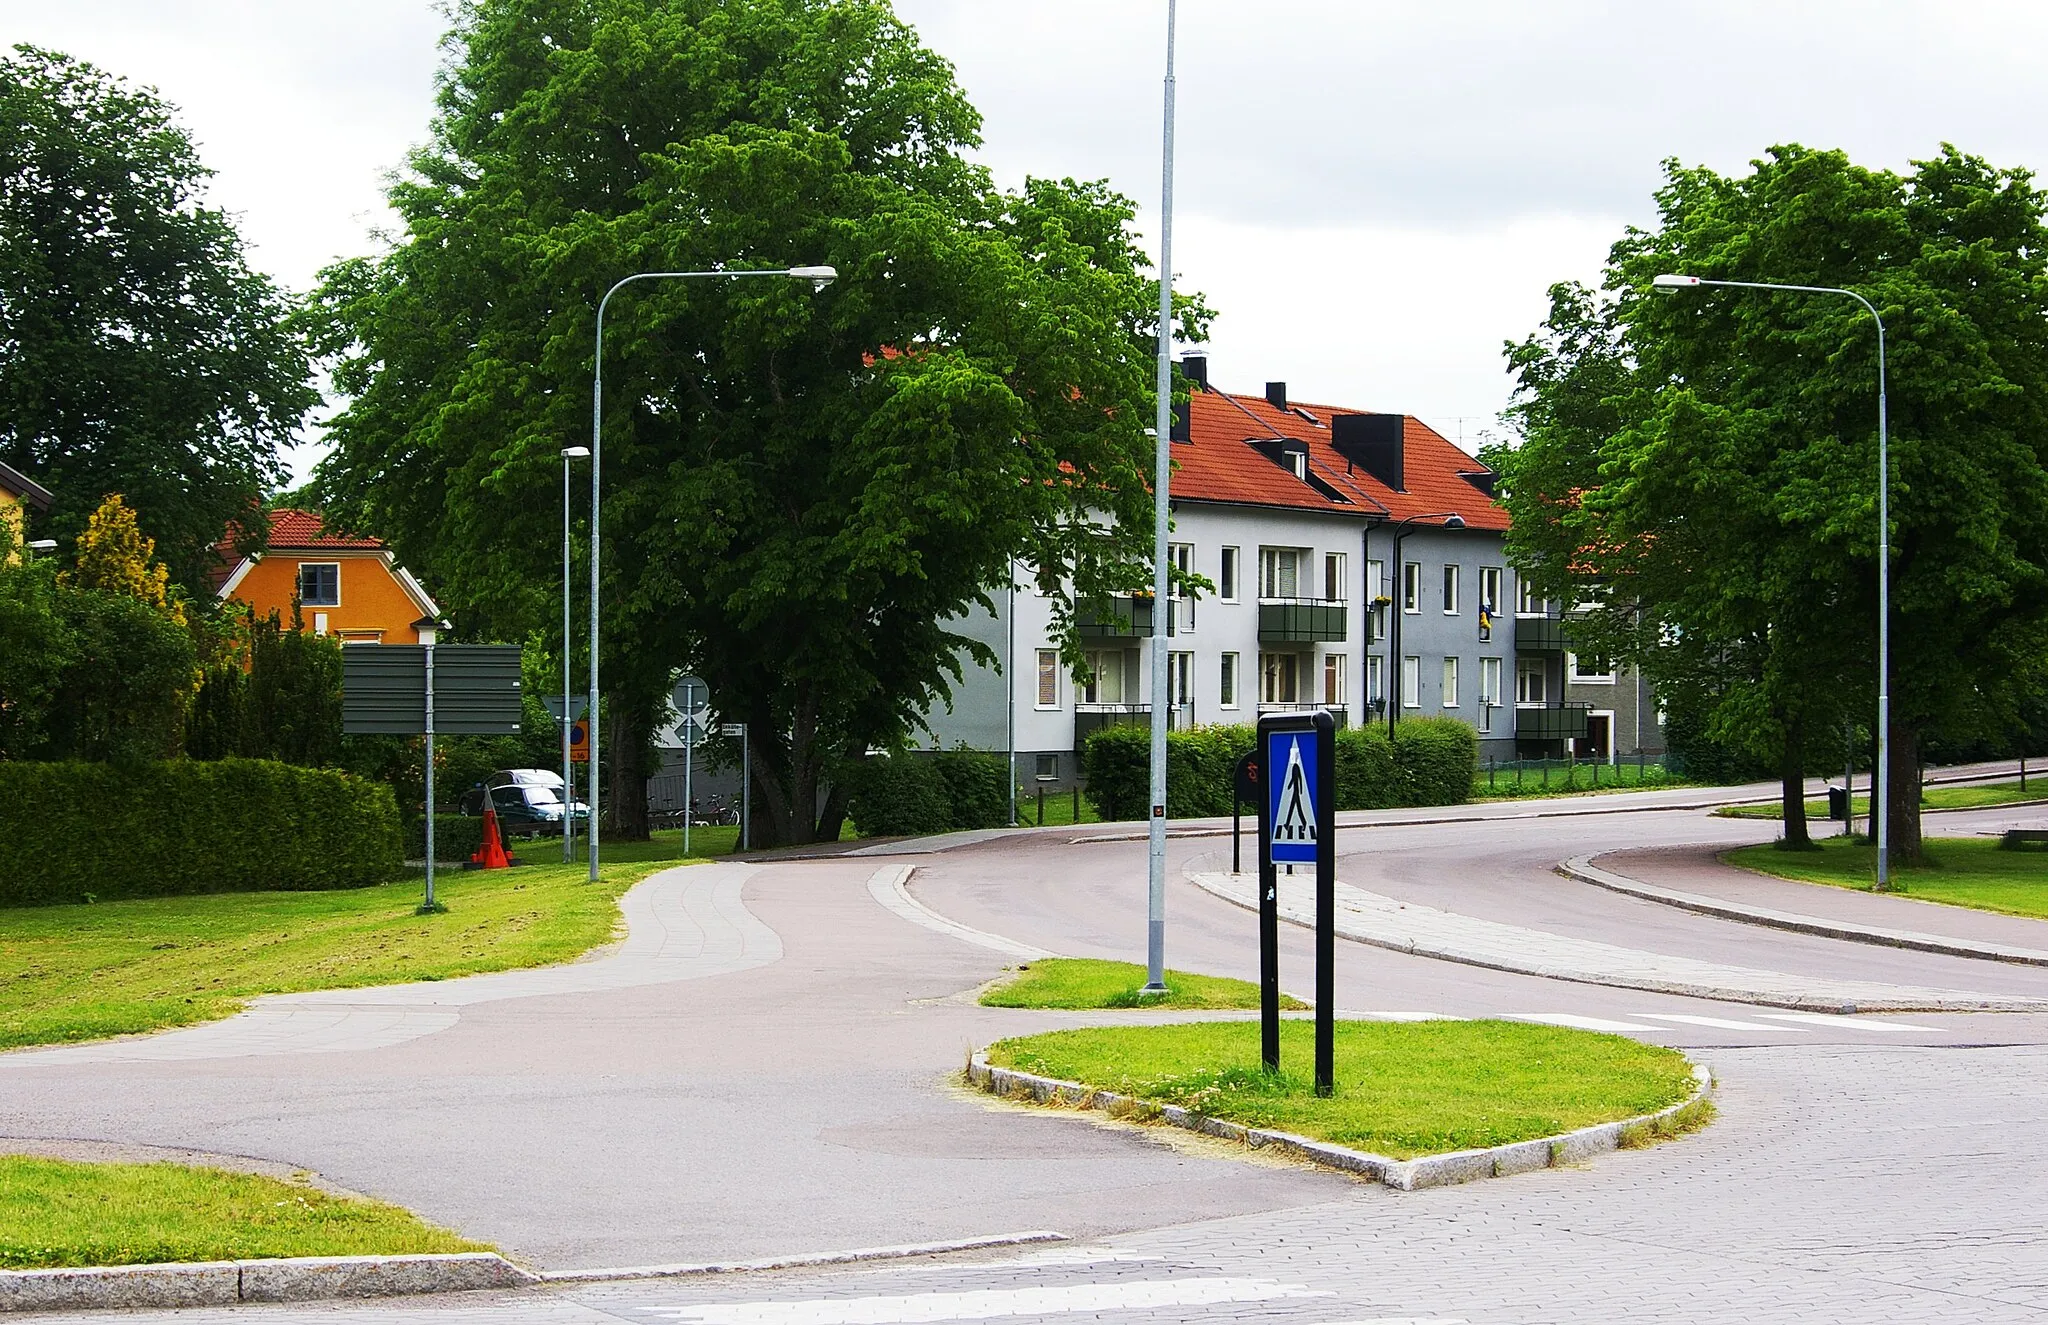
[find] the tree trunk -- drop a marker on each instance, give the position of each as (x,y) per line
(1902,795)
(626,744)
(1792,794)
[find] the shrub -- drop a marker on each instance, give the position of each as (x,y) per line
(456,837)
(977,786)
(1367,778)
(902,795)
(1436,758)
(1118,763)
(75,832)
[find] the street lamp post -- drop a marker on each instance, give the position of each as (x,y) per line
(819,277)
(1162,603)
(1880,790)
(1397,691)
(568,694)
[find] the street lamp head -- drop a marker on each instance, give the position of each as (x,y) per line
(1454,521)
(575,453)
(1673,281)
(819,277)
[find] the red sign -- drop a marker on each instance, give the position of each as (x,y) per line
(579,742)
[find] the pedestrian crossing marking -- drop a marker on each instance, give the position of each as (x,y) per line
(1578,1023)
(991,1303)
(1719,1023)
(1851,1023)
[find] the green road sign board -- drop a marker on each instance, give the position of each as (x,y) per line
(476,689)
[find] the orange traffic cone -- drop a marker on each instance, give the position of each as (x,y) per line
(491,855)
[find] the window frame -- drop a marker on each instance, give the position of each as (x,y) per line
(1048,677)
(1335,687)
(1336,577)
(1226,576)
(1227,678)
(300,587)
(1449,698)
(1451,603)
(1271,560)
(1411,681)
(1532,667)
(1411,587)
(1271,667)
(1573,676)
(1375,678)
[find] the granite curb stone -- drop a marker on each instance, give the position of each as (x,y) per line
(1581,869)
(225,1283)
(1401,1174)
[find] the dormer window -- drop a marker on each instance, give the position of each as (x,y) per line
(320,583)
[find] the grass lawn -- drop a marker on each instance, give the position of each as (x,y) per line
(1403,1088)
(1083,982)
(55,1213)
(1570,778)
(116,968)
(1962,871)
(1934,798)
(1059,809)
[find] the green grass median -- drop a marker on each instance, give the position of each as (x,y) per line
(57,1213)
(1935,798)
(1403,1088)
(1960,871)
(118,968)
(1083,982)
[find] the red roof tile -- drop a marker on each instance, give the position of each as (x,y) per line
(291,530)
(1217,465)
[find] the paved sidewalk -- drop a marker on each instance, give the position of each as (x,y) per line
(1423,930)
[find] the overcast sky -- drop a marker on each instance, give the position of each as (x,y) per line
(1373,195)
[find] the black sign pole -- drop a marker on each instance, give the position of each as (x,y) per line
(1326,903)
(1269,923)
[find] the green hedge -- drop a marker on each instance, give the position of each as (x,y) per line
(456,837)
(77,832)
(912,794)
(1430,762)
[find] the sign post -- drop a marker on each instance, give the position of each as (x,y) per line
(690,696)
(739,729)
(567,711)
(1297,826)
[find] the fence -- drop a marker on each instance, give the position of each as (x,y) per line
(1508,777)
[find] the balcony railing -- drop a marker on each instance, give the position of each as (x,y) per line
(1130,617)
(1337,711)
(1566,722)
(1300,621)
(1539,634)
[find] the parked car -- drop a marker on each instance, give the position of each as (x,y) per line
(528,802)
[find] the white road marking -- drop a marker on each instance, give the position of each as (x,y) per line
(1579,1023)
(1851,1023)
(888,886)
(989,1304)
(1719,1023)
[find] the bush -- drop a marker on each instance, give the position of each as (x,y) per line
(977,786)
(901,795)
(78,832)
(1367,778)
(1117,761)
(456,837)
(1436,758)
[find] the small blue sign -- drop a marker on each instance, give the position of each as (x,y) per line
(1291,797)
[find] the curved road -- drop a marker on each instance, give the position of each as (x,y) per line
(714,1106)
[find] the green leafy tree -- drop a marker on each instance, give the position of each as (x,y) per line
(143,356)
(799,489)
(1710,459)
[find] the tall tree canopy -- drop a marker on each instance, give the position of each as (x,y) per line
(799,488)
(1709,458)
(138,352)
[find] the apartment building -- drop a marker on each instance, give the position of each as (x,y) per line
(1357,563)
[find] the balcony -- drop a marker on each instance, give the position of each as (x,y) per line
(1300,621)
(1337,711)
(1090,718)
(1539,635)
(1130,617)
(1566,722)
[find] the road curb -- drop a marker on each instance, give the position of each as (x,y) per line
(1581,869)
(226,1283)
(905,1252)
(1405,1175)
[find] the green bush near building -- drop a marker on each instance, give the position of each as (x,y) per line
(911,794)
(78,832)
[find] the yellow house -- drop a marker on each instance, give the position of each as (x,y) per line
(351,588)
(16,491)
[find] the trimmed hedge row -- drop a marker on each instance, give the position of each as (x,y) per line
(77,832)
(1429,762)
(456,837)
(911,794)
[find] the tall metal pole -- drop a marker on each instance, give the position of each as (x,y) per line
(1881,777)
(1162,603)
(819,277)
(568,694)
(430,905)
(1010,703)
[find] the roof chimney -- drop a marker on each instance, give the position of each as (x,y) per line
(1276,394)
(1195,367)
(1183,429)
(1376,443)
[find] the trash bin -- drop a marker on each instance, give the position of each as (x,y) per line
(1838,803)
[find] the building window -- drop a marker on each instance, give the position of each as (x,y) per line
(1227,581)
(1450,591)
(1489,590)
(1526,601)
(1279,678)
(1411,682)
(1531,683)
(1181,556)
(1376,610)
(1279,572)
(1375,678)
(1411,586)
(1106,683)
(1489,691)
(1333,680)
(320,583)
(1226,682)
(1450,683)
(1333,576)
(1587,670)
(1180,679)
(1049,768)
(1048,678)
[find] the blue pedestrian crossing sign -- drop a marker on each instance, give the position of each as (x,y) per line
(1291,791)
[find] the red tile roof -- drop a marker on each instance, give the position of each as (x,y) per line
(1217,465)
(289,529)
